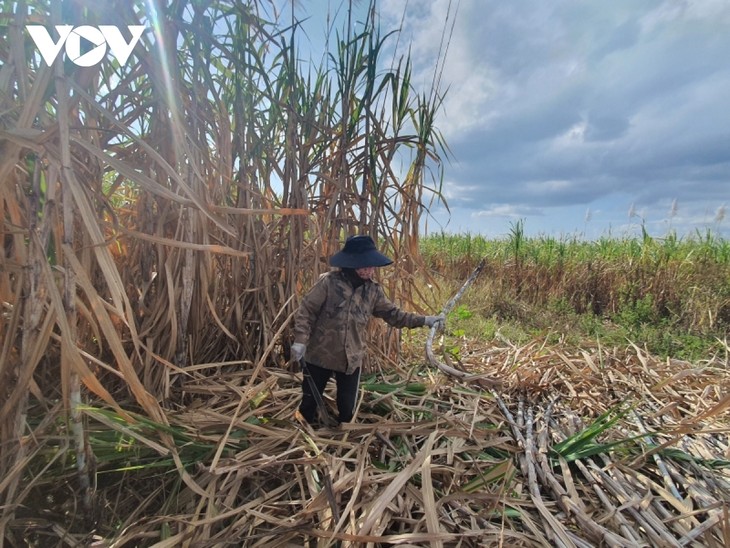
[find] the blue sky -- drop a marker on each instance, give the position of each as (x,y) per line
(580,118)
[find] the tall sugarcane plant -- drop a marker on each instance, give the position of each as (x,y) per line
(168,211)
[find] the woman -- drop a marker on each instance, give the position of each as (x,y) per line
(330,325)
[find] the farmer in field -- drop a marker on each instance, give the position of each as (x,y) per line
(330,325)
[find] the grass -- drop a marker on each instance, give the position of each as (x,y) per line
(671,294)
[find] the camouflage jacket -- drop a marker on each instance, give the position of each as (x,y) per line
(333,316)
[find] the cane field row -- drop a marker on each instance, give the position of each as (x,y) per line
(670,295)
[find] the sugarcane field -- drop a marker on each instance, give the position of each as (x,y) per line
(229,318)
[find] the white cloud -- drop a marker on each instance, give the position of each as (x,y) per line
(509,212)
(556,107)
(446,60)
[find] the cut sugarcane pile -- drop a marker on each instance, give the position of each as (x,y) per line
(543,447)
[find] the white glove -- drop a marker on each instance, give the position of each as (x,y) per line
(433,320)
(297,351)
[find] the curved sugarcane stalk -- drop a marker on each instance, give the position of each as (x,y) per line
(439,325)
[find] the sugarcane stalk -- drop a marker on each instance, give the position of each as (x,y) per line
(650,523)
(15,420)
(659,461)
(713,519)
(445,310)
(557,533)
(79,435)
(616,515)
(595,531)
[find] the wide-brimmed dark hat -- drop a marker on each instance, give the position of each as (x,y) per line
(359,252)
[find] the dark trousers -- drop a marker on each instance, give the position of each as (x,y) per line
(347,387)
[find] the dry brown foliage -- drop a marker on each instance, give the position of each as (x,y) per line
(442,463)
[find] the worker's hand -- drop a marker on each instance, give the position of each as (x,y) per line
(297,351)
(433,320)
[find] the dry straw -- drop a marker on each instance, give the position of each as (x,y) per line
(577,448)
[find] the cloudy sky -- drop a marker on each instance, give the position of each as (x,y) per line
(580,118)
